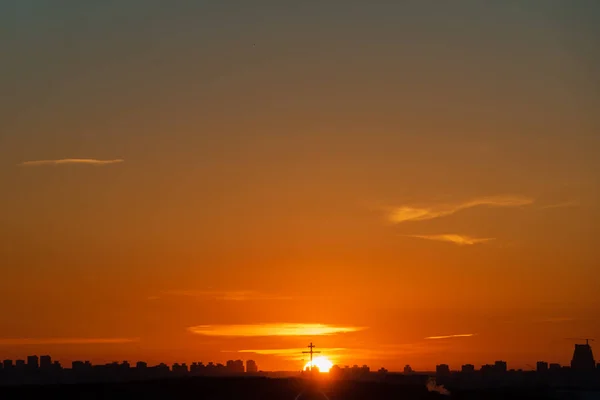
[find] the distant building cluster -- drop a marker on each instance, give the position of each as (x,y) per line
(43,370)
(583,369)
(351,373)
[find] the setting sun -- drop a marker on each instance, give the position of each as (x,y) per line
(322,363)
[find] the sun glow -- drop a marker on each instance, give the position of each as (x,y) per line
(322,363)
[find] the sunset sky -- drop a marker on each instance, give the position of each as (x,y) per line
(400,182)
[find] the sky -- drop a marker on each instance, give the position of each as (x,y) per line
(410,182)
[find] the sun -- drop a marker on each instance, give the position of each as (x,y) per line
(323,363)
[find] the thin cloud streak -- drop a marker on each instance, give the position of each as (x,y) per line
(86,161)
(418,213)
(566,204)
(460,240)
(64,341)
(462,335)
(240,295)
(290,354)
(264,330)
(556,320)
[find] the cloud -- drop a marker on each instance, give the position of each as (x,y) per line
(460,240)
(290,354)
(451,336)
(88,161)
(263,330)
(240,295)
(419,213)
(64,341)
(556,320)
(566,204)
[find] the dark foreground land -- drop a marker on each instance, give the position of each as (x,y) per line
(264,389)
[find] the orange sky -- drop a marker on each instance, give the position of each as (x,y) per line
(187,183)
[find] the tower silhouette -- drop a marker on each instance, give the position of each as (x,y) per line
(311,346)
(583,358)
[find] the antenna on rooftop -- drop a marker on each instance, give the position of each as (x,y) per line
(587,340)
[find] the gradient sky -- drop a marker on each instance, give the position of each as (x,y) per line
(181,179)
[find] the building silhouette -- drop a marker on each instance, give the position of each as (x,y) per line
(33,362)
(541,366)
(500,366)
(251,367)
(235,367)
(468,369)
(442,370)
(554,367)
(583,358)
(46,363)
(180,369)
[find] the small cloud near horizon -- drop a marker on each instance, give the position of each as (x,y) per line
(291,354)
(233,295)
(461,335)
(64,341)
(566,204)
(407,213)
(264,330)
(460,240)
(64,161)
(556,320)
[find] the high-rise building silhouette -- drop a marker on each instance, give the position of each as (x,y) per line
(235,367)
(45,363)
(33,362)
(468,368)
(7,364)
(583,358)
(251,366)
(500,366)
(442,370)
(20,364)
(554,367)
(179,368)
(542,366)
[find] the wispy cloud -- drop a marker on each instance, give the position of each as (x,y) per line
(565,204)
(263,330)
(460,240)
(290,354)
(556,320)
(462,335)
(407,213)
(64,341)
(87,161)
(233,295)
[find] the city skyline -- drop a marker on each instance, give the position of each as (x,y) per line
(403,183)
(582,359)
